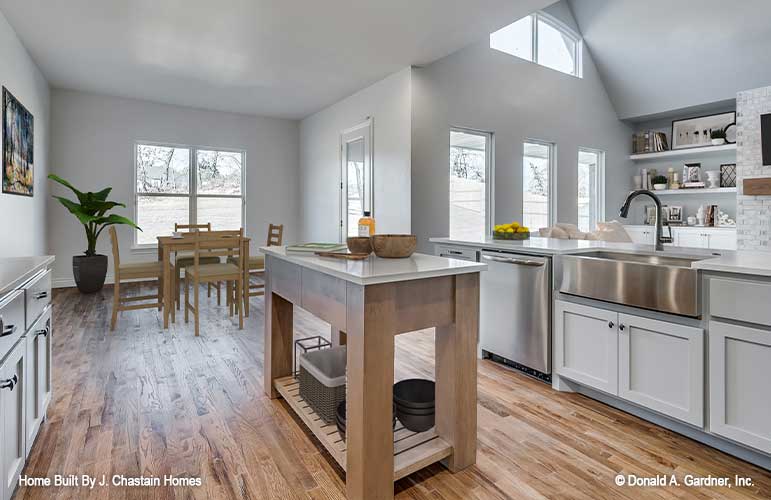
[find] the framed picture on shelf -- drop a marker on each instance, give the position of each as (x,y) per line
(673,214)
(692,172)
(695,132)
(728,175)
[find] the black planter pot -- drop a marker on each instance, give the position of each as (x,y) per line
(89,272)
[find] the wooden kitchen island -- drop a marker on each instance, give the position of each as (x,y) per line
(368,303)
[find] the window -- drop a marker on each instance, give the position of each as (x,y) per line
(591,188)
(536,184)
(542,39)
(356,177)
(184,184)
(470,181)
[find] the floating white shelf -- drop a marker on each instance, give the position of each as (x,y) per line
(681,153)
(695,191)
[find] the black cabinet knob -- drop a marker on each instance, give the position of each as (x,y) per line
(611,324)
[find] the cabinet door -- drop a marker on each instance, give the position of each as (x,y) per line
(37,381)
(691,238)
(640,235)
(661,367)
(740,370)
(586,345)
(12,417)
(722,239)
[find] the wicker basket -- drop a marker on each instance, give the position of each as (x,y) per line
(322,381)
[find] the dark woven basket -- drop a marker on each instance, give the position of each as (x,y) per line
(324,400)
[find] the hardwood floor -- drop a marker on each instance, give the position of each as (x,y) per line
(144,401)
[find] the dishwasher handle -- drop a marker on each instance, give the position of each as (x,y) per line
(518,262)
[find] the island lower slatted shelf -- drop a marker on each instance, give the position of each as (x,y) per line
(412,451)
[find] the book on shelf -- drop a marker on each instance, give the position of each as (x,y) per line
(649,141)
(693,185)
(310,248)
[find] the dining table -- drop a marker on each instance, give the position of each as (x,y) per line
(168,245)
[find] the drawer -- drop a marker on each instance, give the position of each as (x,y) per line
(38,296)
(740,300)
(462,253)
(12,319)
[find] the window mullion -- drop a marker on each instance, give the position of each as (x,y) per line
(534,43)
(192,202)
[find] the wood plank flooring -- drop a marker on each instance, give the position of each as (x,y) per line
(144,401)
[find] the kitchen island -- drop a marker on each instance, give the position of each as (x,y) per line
(367,303)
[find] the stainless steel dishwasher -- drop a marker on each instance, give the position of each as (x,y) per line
(515,311)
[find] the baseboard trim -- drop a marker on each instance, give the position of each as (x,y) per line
(70,282)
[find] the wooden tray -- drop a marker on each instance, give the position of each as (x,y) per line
(344,256)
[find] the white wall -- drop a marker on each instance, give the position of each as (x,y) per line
(92,145)
(484,89)
(23,219)
(388,103)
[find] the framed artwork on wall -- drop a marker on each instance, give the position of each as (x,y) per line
(18,147)
(696,132)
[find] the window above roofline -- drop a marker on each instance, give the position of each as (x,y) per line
(527,49)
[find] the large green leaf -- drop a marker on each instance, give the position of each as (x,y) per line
(76,210)
(81,195)
(113,219)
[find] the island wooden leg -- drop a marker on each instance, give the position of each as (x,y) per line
(278,340)
(369,425)
(456,375)
(338,337)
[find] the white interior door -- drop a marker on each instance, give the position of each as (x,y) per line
(356,178)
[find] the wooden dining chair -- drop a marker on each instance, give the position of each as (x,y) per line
(257,262)
(185,259)
(228,244)
(132,271)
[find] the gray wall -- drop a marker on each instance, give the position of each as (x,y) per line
(388,103)
(93,138)
(484,89)
(23,219)
(659,55)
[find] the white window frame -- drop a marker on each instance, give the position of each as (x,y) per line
(552,168)
(562,28)
(489,175)
(600,187)
(565,30)
(365,131)
(192,194)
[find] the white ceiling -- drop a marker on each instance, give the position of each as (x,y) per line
(660,55)
(286,58)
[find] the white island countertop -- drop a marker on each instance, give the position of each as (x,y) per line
(726,261)
(374,270)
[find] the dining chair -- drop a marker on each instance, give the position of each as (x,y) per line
(257,262)
(132,271)
(185,259)
(228,244)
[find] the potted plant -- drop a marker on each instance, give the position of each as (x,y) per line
(90,269)
(659,182)
(717,136)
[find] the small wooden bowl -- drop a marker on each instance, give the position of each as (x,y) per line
(394,246)
(359,244)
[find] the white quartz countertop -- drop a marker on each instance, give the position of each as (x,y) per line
(727,261)
(16,270)
(376,270)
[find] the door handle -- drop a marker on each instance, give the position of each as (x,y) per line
(518,262)
(8,330)
(9,383)
(41,295)
(44,333)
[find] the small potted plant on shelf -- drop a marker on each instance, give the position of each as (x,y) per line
(90,269)
(717,136)
(659,182)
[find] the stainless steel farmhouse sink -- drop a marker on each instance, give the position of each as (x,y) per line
(663,283)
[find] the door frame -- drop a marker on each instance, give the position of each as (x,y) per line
(363,130)
(489,173)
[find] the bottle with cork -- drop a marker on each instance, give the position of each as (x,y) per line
(366,225)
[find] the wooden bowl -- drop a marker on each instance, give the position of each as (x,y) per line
(394,246)
(359,244)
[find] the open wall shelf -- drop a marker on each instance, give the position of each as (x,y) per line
(684,153)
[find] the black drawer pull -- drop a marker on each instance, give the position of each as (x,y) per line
(8,330)
(41,295)
(44,333)
(9,383)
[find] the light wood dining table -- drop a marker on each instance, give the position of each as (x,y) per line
(173,244)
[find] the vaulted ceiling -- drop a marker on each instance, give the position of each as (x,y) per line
(660,55)
(285,58)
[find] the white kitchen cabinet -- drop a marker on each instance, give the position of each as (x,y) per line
(722,239)
(38,389)
(740,370)
(661,367)
(641,235)
(586,345)
(12,418)
(691,238)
